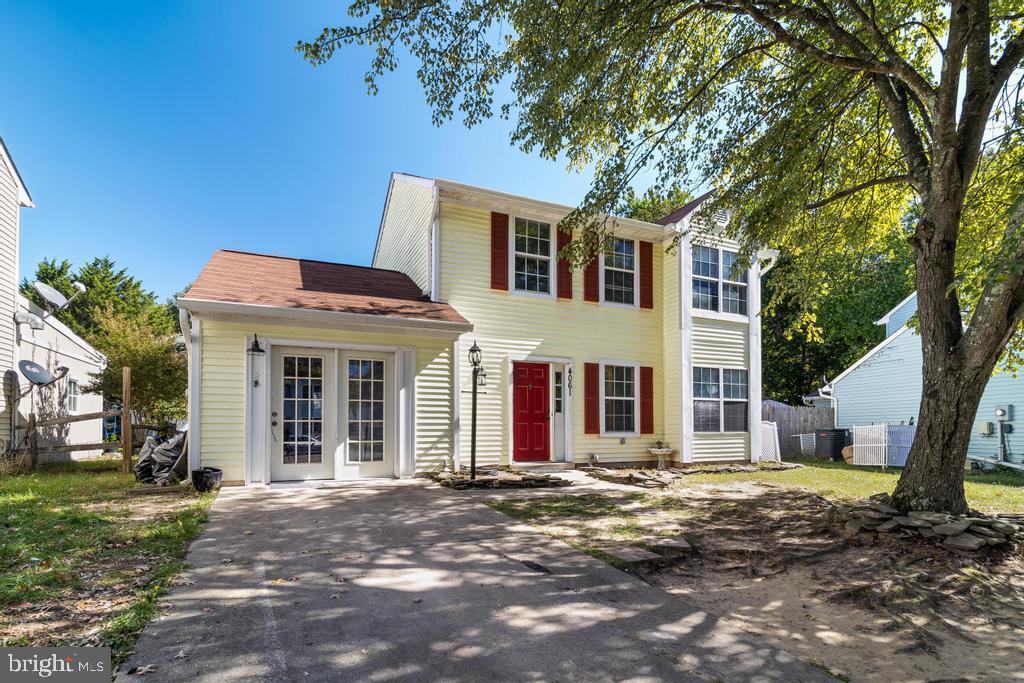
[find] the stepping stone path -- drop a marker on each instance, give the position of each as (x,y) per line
(877,517)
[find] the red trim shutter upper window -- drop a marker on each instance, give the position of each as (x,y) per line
(646,400)
(499,251)
(564,274)
(591,281)
(646,275)
(591,398)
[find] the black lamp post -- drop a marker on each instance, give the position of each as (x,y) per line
(479,380)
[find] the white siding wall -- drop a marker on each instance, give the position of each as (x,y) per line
(8,291)
(721,344)
(404,240)
(51,347)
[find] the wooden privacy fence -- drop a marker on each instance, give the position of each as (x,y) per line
(125,445)
(793,420)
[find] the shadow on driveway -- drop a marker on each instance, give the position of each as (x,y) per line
(403,580)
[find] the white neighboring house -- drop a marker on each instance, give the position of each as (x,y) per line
(52,347)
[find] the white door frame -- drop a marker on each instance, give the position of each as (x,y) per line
(257,399)
(566,364)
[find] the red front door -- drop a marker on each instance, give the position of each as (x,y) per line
(530,401)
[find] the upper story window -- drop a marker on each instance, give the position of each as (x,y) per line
(74,392)
(720,400)
(532,245)
(620,272)
(718,285)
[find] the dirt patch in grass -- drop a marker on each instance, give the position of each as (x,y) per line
(81,562)
(766,560)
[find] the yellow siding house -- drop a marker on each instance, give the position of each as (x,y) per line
(310,370)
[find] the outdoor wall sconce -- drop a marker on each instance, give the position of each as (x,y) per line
(476,359)
(255,350)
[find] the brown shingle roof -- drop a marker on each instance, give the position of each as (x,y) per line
(684,211)
(246,278)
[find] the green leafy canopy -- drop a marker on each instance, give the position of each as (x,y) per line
(792,111)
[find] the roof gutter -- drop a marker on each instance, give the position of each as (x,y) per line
(320,317)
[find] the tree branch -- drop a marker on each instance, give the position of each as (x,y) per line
(843,194)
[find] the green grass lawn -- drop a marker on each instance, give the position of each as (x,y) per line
(77,554)
(999,491)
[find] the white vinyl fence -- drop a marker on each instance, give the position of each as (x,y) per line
(770,450)
(882,445)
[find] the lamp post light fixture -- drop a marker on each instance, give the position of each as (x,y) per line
(479,380)
(255,350)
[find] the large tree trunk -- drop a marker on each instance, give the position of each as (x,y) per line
(952,380)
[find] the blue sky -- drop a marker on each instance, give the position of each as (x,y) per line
(156,133)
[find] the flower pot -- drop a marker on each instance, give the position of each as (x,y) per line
(206,478)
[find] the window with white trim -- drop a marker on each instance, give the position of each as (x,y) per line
(532,256)
(74,391)
(720,400)
(619,397)
(620,272)
(718,284)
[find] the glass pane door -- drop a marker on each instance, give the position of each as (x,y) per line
(365,410)
(303,421)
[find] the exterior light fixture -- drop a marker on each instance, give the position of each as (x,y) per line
(255,349)
(476,359)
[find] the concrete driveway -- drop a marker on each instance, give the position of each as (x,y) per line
(403,580)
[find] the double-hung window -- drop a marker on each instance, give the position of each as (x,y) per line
(620,272)
(74,391)
(720,400)
(619,398)
(532,256)
(718,284)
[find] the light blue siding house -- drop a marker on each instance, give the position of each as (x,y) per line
(884,385)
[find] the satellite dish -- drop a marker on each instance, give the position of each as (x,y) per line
(38,375)
(52,296)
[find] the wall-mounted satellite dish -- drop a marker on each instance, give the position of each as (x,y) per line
(52,296)
(39,376)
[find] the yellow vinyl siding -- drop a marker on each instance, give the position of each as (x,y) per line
(510,327)
(710,447)
(672,387)
(405,232)
(222,388)
(720,343)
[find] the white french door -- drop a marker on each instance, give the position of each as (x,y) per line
(368,419)
(301,410)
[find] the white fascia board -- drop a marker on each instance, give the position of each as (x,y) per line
(24,198)
(494,198)
(884,320)
(364,321)
(860,361)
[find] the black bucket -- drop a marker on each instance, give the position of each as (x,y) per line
(206,478)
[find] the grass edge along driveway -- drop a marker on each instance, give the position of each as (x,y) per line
(81,562)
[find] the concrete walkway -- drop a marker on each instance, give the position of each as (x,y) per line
(407,581)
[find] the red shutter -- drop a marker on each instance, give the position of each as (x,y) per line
(591,281)
(499,251)
(646,275)
(591,398)
(564,273)
(646,400)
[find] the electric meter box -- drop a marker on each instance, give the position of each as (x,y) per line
(1004,413)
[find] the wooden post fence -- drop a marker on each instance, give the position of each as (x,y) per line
(125,445)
